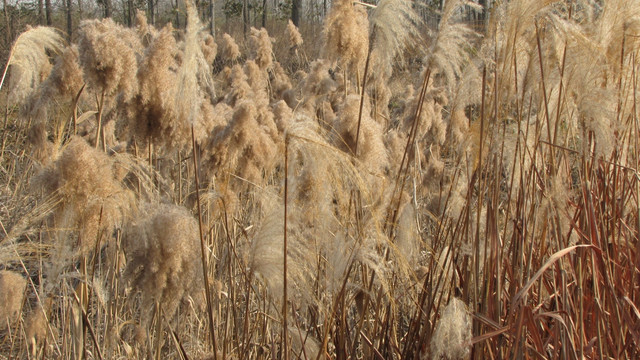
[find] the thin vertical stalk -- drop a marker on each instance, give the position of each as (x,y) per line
(285,347)
(75,110)
(479,194)
(544,95)
(99,119)
(362,92)
(203,255)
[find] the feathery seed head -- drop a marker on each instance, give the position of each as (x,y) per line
(260,46)
(163,257)
(108,55)
(347,35)
(229,50)
(12,286)
(293,36)
(452,337)
(29,62)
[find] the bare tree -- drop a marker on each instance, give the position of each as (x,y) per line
(245,17)
(9,36)
(296,9)
(151,8)
(47,9)
(212,20)
(69,23)
(129,13)
(40,12)
(107,8)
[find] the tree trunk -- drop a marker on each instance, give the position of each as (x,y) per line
(47,10)
(40,12)
(212,18)
(69,22)
(296,9)
(130,13)
(151,12)
(107,8)
(80,8)
(245,17)
(9,36)
(481,15)
(264,14)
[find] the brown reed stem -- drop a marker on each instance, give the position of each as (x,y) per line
(544,96)
(203,255)
(99,118)
(285,347)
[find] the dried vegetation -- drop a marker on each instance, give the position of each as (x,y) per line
(413,193)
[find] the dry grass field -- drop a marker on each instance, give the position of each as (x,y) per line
(384,189)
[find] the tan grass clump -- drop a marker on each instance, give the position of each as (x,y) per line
(194,76)
(29,60)
(261,48)
(247,147)
(144,30)
(49,107)
(36,327)
(108,55)
(229,50)
(163,257)
(371,149)
(293,36)
(93,201)
(280,81)
(12,286)
(393,29)
(266,252)
(209,48)
(259,82)
(239,86)
(430,120)
(151,110)
(452,337)
(347,36)
(66,78)
(448,55)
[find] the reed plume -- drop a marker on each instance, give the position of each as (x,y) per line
(194,80)
(93,202)
(451,339)
(293,37)
(446,55)
(163,250)
(152,112)
(260,47)
(229,50)
(371,149)
(109,57)
(12,287)
(209,48)
(247,146)
(347,39)
(29,61)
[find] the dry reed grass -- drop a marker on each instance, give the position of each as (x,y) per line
(478,199)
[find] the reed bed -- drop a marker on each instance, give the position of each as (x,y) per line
(411,193)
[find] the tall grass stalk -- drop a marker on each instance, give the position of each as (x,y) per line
(203,251)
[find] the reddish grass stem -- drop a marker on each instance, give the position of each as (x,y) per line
(203,254)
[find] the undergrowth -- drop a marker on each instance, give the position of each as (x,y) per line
(413,192)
